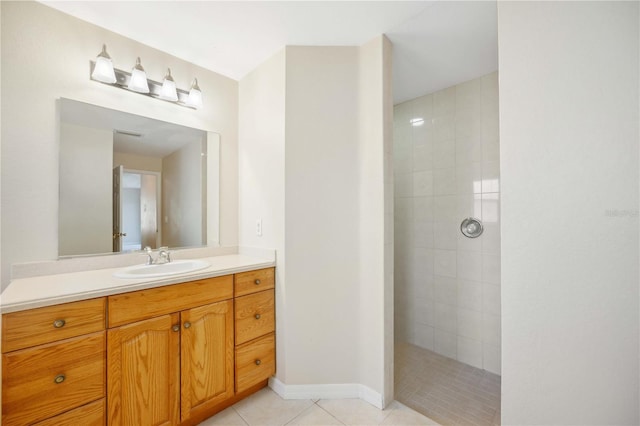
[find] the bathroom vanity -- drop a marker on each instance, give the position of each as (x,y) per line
(163,352)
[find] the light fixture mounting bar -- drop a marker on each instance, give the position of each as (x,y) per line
(122,81)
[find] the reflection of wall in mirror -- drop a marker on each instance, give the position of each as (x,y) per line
(139,210)
(149,211)
(137,162)
(131,219)
(181,191)
(86,158)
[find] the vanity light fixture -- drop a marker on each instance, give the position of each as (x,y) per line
(168,91)
(102,70)
(138,82)
(417,121)
(195,95)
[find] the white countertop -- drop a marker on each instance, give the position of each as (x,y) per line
(46,290)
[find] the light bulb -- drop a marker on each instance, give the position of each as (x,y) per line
(195,95)
(103,69)
(138,81)
(168,91)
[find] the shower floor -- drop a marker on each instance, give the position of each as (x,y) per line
(445,390)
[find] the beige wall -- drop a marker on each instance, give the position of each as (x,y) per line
(85,219)
(311,149)
(569,131)
(182,197)
(375,222)
(261,187)
(45,56)
(137,162)
(321,214)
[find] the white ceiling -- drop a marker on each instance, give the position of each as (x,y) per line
(436,43)
(132,134)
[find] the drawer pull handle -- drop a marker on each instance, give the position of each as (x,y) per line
(176,327)
(59,323)
(257,316)
(257,282)
(258,362)
(59,379)
(187,324)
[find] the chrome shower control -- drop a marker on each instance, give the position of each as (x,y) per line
(471,227)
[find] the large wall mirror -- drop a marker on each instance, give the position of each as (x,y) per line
(127,182)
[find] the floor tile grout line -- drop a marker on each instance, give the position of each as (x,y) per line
(328,412)
(246,422)
(388,414)
(299,414)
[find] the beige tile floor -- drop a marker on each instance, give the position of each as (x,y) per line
(445,390)
(266,408)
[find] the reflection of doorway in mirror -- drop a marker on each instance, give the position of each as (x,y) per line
(140,208)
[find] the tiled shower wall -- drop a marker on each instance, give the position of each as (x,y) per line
(447,286)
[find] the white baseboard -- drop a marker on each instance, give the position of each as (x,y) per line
(328,391)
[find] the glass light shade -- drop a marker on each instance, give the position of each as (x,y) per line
(103,69)
(168,91)
(138,81)
(195,95)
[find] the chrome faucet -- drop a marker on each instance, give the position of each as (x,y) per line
(164,256)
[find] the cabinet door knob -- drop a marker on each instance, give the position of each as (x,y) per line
(257,316)
(59,323)
(59,379)
(176,327)
(257,282)
(187,324)
(258,362)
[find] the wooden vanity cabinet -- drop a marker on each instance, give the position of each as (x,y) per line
(53,364)
(254,328)
(171,355)
(171,368)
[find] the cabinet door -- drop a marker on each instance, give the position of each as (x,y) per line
(206,357)
(143,376)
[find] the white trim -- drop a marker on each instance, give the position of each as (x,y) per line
(327,391)
(213,190)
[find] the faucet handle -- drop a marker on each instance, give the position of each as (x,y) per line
(148,252)
(163,252)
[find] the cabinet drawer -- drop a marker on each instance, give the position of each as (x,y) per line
(92,414)
(139,305)
(254,281)
(255,361)
(254,315)
(44,325)
(47,380)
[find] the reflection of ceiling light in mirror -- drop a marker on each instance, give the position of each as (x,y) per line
(417,121)
(138,82)
(195,95)
(168,91)
(103,70)
(126,133)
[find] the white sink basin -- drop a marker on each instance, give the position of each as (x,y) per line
(167,269)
